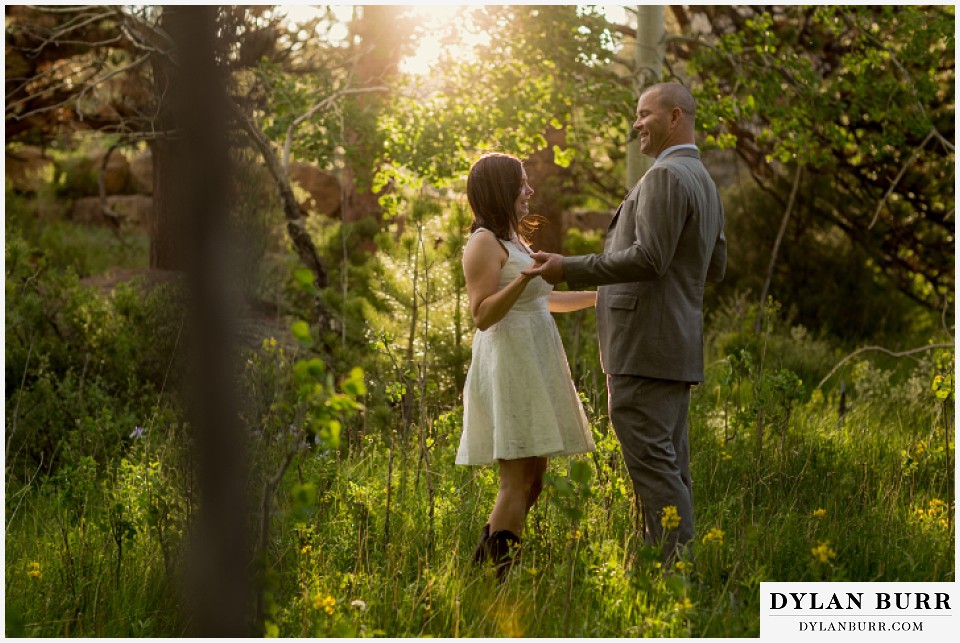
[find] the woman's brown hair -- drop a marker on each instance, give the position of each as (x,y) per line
(493,186)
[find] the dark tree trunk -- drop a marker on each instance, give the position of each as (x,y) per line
(219,595)
(166,229)
(548,182)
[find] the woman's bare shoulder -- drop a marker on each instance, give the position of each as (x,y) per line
(484,243)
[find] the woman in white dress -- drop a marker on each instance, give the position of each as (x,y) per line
(520,405)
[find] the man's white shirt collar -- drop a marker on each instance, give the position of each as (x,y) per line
(674,148)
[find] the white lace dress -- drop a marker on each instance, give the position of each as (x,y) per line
(519,400)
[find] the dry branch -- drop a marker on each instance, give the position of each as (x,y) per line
(882,350)
(776,245)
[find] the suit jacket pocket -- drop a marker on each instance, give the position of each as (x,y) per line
(623,302)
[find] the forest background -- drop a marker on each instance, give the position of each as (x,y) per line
(233,362)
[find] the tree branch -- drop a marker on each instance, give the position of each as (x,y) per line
(776,245)
(87,85)
(913,159)
(882,350)
(299,237)
(324,104)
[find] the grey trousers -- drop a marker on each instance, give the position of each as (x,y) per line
(649,417)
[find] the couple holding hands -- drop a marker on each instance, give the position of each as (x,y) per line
(663,244)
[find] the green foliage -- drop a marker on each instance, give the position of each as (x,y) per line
(824,280)
(94,550)
(860,98)
(82,369)
(76,176)
(292,96)
(256,222)
(64,244)
(545,67)
(353,428)
(857,66)
(373,525)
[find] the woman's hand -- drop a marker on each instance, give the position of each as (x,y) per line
(547,265)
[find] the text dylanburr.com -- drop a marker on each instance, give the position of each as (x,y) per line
(849,611)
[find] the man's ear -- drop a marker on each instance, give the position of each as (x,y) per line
(676,115)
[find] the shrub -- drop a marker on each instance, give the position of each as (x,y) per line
(82,368)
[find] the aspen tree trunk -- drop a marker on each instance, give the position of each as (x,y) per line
(648,65)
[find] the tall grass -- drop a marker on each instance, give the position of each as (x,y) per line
(90,558)
(375,536)
(826,503)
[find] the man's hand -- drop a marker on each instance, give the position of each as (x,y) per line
(546,265)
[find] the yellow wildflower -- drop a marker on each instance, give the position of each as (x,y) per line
(725,456)
(937,513)
(670,518)
(306,549)
(685,605)
(714,535)
(34,571)
(819,513)
(325,603)
(823,552)
(683,566)
(936,507)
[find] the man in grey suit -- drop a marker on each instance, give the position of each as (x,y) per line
(664,243)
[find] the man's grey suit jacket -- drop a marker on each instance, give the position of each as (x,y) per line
(664,242)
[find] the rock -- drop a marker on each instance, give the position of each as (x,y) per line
(116,174)
(27,169)
(323,188)
(133,209)
(141,173)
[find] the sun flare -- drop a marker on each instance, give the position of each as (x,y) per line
(444,31)
(435,20)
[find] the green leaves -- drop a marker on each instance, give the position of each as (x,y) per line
(304,279)
(304,497)
(860,97)
(308,371)
(545,67)
(563,158)
(572,490)
(354,385)
(301,331)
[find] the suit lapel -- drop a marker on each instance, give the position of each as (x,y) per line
(616,215)
(690,153)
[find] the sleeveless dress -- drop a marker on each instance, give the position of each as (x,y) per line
(518,399)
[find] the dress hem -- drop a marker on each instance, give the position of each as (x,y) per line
(553,454)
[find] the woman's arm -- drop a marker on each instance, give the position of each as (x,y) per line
(569,301)
(483,257)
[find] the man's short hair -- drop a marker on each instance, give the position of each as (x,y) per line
(670,95)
